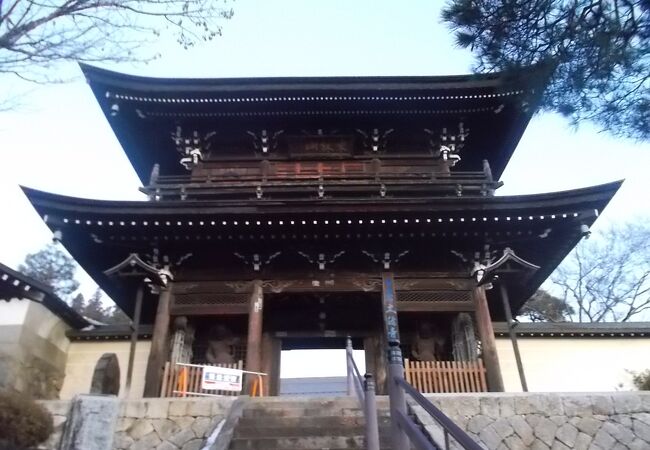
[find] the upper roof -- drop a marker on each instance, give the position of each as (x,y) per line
(14,284)
(144,111)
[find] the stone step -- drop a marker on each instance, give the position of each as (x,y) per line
(310,405)
(289,402)
(303,431)
(306,421)
(314,410)
(305,443)
(319,399)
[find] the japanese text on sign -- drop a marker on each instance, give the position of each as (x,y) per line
(221,378)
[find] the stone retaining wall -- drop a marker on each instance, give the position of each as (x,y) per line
(618,421)
(156,423)
(599,421)
(59,410)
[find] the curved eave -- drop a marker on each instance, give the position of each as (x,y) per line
(596,196)
(317,84)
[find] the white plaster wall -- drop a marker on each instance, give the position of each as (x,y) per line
(574,365)
(14,311)
(83,355)
(33,346)
(45,324)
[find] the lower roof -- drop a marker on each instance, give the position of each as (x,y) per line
(541,228)
(564,330)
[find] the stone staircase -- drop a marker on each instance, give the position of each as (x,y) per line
(304,423)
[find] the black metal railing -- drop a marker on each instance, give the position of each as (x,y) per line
(365,390)
(405,428)
(448,427)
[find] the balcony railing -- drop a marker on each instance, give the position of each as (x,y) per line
(315,184)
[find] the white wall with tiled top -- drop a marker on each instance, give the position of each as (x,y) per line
(565,364)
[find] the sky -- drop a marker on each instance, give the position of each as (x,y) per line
(57,139)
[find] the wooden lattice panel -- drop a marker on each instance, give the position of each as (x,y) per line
(434,296)
(435,300)
(211,299)
(210,303)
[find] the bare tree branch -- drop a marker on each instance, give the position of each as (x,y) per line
(607,278)
(36,34)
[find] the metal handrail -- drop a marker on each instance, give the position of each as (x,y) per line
(405,429)
(356,377)
(414,433)
(448,426)
(365,389)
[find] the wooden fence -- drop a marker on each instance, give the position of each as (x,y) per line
(446,376)
(173,381)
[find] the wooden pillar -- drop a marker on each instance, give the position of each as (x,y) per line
(159,345)
(390,337)
(488,343)
(389,304)
(375,348)
(513,336)
(254,342)
(271,351)
(135,328)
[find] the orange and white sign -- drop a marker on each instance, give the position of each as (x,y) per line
(221,378)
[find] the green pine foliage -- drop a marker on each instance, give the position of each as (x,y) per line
(95,308)
(53,267)
(544,307)
(592,55)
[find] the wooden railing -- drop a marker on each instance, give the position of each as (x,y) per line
(226,179)
(455,184)
(445,376)
(178,379)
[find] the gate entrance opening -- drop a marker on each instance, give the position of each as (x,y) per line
(315,366)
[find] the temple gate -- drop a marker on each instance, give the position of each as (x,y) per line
(285,211)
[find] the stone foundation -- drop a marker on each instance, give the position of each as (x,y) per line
(156,423)
(167,424)
(619,420)
(599,421)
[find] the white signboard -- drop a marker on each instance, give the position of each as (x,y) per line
(221,378)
